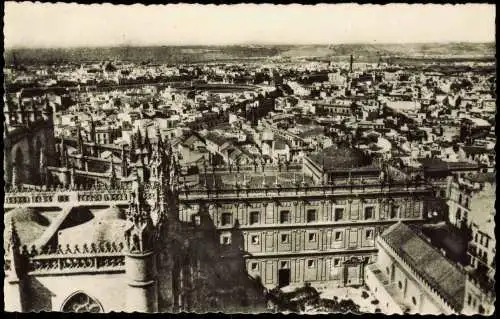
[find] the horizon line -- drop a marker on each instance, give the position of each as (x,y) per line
(97,46)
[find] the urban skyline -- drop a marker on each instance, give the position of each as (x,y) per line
(327,178)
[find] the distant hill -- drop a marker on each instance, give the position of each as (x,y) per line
(193,54)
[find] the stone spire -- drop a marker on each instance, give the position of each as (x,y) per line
(14,175)
(80,139)
(92,130)
(13,273)
(132,150)
(141,237)
(159,142)
(147,143)
(13,253)
(72,176)
(112,174)
(141,232)
(138,137)
(63,154)
(14,241)
(124,165)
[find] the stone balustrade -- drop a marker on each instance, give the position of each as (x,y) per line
(65,197)
(103,195)
(276,191)
(103,257)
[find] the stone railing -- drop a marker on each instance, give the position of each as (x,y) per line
(73,195)
(291,167)
(301,190)
(105,257)
(65,196)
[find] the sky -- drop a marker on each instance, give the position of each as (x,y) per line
(72,25)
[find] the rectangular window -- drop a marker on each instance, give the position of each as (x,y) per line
(284,216)
(339,214)
(312,237)
(311,215)
(338,236)
(369,234)
(254,266)
(369,212)
(336,262)
(226,240)
(226,219)
(487,242)
(285,239)
(254,218)
(255,239)
(469,300)
(311,263)
(394,212)
(197,220)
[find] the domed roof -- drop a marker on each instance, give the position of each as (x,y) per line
(108,225)
(333,158)
(29,224)
(110,213)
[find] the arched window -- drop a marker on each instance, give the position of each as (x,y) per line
(81,302)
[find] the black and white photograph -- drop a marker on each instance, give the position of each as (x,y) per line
(245,158)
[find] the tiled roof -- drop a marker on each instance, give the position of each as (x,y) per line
(442,274)
(107,225)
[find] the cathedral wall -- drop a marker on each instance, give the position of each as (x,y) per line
(50,292)
(27,144)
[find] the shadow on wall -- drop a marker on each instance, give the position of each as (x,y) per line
(35,296)
(207,276)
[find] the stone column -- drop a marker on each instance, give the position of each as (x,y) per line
(142,290)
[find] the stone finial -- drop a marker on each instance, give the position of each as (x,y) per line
(14,241)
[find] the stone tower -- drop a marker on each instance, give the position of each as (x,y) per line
(140,260)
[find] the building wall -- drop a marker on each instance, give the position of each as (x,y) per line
(269,212)
(49,293)
(459,204)
(412,295)
(476,300)
(325,270)
(314,250)
(481,249)
(27,145)
(387,303)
